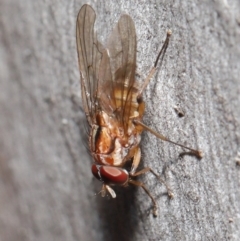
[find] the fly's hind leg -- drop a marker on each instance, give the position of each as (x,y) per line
(159,58)
(133,173)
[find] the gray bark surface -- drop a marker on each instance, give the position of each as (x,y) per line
(47,191)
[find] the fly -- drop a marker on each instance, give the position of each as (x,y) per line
(113,104)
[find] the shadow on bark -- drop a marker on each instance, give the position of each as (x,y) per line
(119,216)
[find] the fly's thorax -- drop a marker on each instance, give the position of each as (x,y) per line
(108,143)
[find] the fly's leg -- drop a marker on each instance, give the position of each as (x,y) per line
(133,173)
(198,153)
(140,184)
(159,57)
(136,161)
(139,124)
(148,169)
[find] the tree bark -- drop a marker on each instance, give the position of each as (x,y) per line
(47,191)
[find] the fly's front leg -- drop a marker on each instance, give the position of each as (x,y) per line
(140,184)
(148,169)
(135,164)
(133,173)
(136,161)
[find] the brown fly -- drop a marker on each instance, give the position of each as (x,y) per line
(112,101)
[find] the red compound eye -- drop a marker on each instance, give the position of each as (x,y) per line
(110,175)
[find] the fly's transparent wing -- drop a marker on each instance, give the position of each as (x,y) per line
(107,75)
(89,58)
(122,54)
(105,86)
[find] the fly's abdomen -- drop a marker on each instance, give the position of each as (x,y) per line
(126,102)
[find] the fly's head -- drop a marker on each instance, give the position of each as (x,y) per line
(110,176)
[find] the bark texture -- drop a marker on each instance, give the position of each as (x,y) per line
(47,191)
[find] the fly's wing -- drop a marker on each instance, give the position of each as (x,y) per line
(89,58)
(107,75)
(121,49)
(105,95)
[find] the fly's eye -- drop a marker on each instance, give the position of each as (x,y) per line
(110,175)
(96,171)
